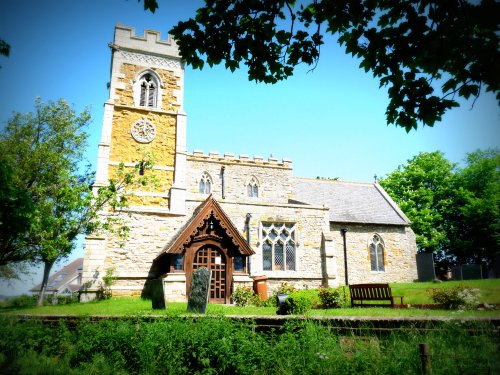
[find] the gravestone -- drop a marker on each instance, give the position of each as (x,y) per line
(157,295)
(425,267)
(200,287)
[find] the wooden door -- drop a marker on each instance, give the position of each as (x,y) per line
(212,258)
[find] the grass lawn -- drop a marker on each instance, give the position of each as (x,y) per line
(414,293)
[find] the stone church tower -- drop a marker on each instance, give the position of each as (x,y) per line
(144,113)
(143,116)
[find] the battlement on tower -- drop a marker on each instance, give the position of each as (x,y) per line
(214,156)
(150,42)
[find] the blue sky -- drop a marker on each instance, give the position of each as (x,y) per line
(330,122)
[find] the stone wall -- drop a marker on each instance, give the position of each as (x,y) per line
(399,253)
(274,178)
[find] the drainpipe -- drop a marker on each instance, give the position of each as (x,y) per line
(247,226)
(344,231)
(222,169)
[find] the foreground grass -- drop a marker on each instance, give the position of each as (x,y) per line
(127,306)
(414,293)
(219,346)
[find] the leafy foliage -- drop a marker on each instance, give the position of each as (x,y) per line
(424,190)
(107,282)
(44,153)
(244,296)
(410,46)
(301,301)
(475,232)
(331,297)
(460,297)
(15,216)
(220,346)
(455,213)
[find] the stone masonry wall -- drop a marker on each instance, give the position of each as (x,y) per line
(399,253)
(274,178)
(125,149)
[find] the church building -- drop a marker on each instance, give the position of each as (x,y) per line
(241,217)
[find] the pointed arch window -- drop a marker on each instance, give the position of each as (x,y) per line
(279,247)
(377,254)
(253,188)
(148,91)
(205,185)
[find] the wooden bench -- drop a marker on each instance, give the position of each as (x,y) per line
(372,292)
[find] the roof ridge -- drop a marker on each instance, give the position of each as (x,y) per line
(334,181)
(391,202)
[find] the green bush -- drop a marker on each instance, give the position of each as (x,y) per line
(19,302)
(244,296)
(460,297)
(301,301)
(331,297)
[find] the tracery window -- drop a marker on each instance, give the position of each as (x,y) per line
(253,188)
(148,91)
(205,186)
(377,254)
(279,244)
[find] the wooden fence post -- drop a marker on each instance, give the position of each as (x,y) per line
(425,357)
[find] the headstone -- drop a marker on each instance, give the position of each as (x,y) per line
(425,267)
(467,272)
(157,295)
(200,287)
(472,272)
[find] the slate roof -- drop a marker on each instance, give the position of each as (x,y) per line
(351,202)
(63,278)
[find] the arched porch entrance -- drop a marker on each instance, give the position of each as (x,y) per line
(214,259)
(209,240)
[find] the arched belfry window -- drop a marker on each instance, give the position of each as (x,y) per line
(253,188)
(205,185)
(147,90)
(377,253)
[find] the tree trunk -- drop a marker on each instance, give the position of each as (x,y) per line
(47,266)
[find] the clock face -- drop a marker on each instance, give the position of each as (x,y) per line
(143,131)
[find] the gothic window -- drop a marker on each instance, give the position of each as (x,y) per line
(205,186)
(377,254)
(148,91)
(278,247)
(253,188)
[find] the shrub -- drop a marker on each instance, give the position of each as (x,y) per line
(108,280)
(244,296)
(19,302)
(331,297)
(460,297)
(302,301)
